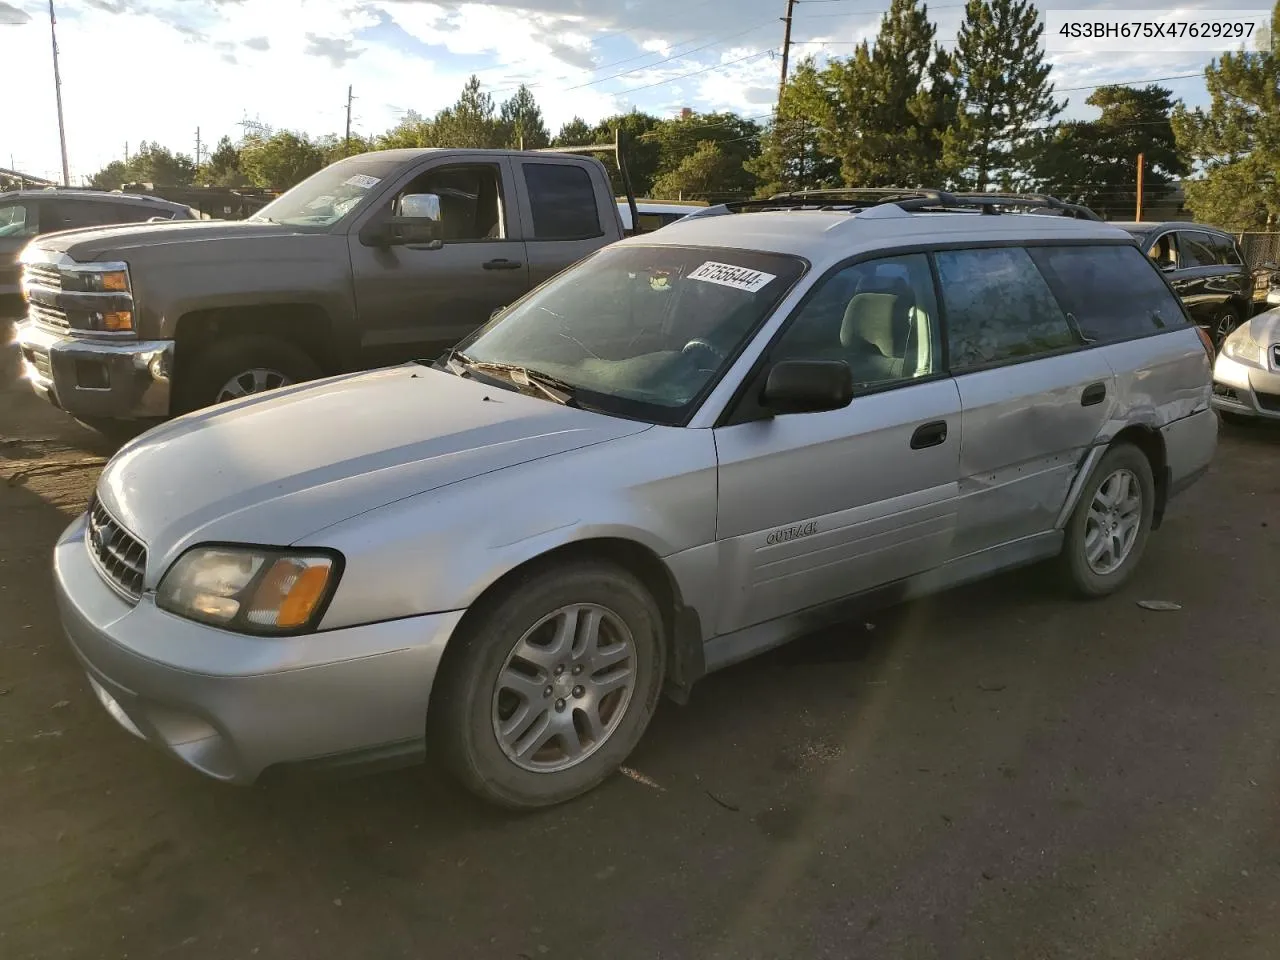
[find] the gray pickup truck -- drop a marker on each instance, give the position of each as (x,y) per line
(376,259)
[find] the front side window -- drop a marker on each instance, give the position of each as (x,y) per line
(637,331)
(563,202)
(326,197)
(1197,249)
(998,308)
(17,220)
(1109,291)
(471,206)
(1164,251)
(879,317)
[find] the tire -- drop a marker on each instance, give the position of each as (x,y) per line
(1224,323)
(239,358)
(471,707)
(1096,580)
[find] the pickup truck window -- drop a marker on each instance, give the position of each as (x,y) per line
(17,220)
(471,202)
(326,197)
(563,202)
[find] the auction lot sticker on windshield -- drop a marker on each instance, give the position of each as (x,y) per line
(727,275)
(362,180)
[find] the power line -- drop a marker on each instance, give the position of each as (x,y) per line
(714,66)
(679,56)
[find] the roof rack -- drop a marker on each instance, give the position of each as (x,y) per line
(910,200)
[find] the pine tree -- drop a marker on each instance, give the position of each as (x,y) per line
(1095,162)
(575,133)
(522,119)
(1237,140)
(470,122)
(1007,99)
(790,155)
(888,104)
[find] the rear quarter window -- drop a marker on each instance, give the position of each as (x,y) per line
(1111,292)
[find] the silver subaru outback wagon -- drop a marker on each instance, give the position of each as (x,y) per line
(691,447)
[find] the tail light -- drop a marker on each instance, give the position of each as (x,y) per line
(1207,342)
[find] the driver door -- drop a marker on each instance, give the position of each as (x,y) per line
(414,302)
(814,507)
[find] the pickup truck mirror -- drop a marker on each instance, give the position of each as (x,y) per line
(414,221)
(808,386)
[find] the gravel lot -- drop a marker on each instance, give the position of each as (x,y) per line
(999,772)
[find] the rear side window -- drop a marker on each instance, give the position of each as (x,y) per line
(1197,249)
(998,307)
(1111,292)
(1225,249)
(563,202)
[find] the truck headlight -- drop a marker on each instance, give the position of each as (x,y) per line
(1241,346)
(110,281)
(251,589)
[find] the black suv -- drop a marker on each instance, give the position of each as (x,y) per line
(1206,269)
(25,214)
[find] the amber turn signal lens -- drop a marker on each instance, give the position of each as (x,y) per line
(1207,342)
(116,282)
(119,322)
(290,592)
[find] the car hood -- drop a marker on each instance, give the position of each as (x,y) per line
(273,468)
(117,242)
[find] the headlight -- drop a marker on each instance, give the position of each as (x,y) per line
(251,590)
(1241,346)
(110,281)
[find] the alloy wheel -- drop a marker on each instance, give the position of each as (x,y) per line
(255,380)
(1115,517)
(564,688)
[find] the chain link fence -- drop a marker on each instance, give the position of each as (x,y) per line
(1259,248)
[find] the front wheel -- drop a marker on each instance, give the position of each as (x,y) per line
(551,685)
(1108,530)
(242,366)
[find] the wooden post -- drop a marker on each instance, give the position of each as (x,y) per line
(1138,213)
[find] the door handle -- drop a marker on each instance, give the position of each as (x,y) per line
(1093,393)
(929,435)
(502,264)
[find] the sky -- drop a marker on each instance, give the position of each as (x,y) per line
(157,70)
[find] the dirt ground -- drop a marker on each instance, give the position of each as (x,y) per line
(999,772)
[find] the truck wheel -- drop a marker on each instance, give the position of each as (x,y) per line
(1108,530)
(550,685)
(244,366)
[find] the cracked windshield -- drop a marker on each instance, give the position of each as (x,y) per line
(790,480)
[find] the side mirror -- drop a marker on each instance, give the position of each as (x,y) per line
(414,221)
(808,386)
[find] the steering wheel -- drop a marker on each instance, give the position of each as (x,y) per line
(697,346)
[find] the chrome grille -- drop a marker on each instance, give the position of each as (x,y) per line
(1275,356)
(120,557)
(43,274)
(49,316)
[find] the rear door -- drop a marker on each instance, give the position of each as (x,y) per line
(1034,399)
(1121,305)
(814,507)
(567,207)
(412,301)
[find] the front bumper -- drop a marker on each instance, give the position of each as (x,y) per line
(97,378)
(231,705)
(1246,390)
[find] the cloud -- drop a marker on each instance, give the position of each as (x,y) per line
(12,16)
(337,50)
(258,43)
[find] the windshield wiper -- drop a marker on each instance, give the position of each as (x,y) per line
(521,376)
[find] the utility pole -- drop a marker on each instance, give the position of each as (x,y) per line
(197,151)
(57,87)
(1138,213)
(346,150)
(786,46)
